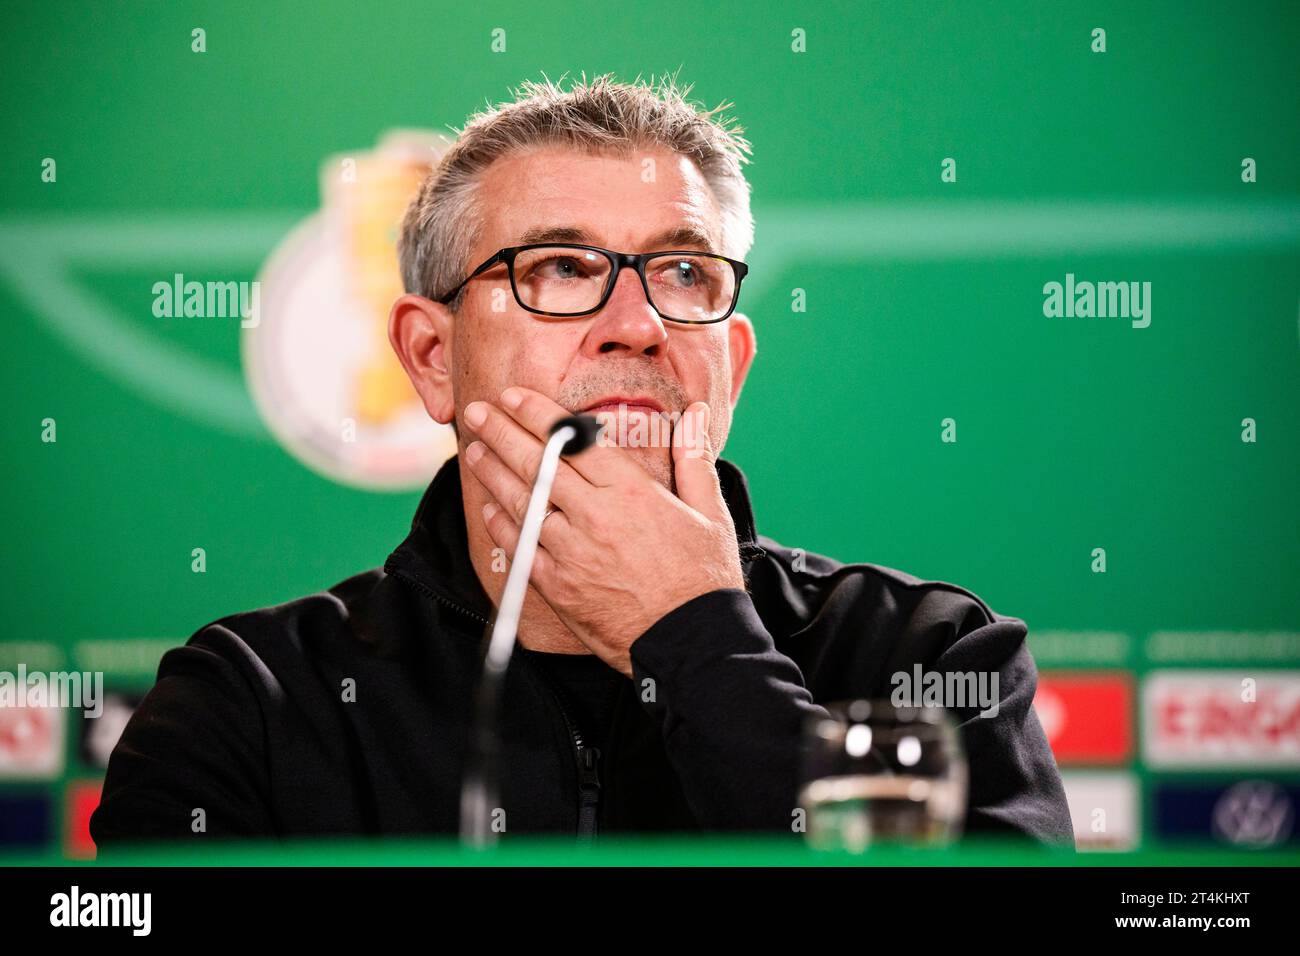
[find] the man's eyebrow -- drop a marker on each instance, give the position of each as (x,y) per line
(677,237)
(681,237)
(556,234)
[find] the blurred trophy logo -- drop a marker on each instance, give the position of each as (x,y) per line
(319,364)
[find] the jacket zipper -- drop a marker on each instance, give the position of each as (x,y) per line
(588,770)
(587,757)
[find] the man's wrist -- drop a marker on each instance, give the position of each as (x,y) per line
(715,623)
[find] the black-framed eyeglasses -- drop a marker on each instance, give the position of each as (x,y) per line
(566,280)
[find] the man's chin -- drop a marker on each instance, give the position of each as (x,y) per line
(658,464)
(646,438)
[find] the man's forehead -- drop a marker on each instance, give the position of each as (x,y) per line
(566,195)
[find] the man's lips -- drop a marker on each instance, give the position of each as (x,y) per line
(629,403)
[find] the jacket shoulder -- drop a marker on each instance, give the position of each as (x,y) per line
(232,715)
(889,596)
(863,625)
(291,627)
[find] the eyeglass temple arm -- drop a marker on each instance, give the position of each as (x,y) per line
(479,271)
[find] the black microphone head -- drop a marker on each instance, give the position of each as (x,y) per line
(587,428)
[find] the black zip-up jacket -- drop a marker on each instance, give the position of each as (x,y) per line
(346,712)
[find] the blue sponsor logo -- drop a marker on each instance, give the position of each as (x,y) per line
(1247,813)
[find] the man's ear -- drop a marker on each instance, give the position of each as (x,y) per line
(743,345)
(419,330)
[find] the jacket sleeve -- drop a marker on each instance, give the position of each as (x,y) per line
(1015,786)
(194,743)
(730,708)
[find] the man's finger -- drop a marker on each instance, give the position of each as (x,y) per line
(505,534)
(602,465)
(521,451)
(505,487)
(693,463)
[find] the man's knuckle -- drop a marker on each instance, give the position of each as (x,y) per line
(564,590)
(493,429)
(519,502)
(531,461)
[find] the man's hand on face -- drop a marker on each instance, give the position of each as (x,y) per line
(622,550)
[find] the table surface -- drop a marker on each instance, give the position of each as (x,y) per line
(642,851)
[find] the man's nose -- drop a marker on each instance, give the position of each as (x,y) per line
(628,323)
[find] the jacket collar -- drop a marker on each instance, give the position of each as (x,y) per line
(436,552)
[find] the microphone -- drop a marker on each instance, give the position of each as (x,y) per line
(479,792)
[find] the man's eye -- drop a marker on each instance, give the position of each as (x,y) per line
(560,267)
(682,274)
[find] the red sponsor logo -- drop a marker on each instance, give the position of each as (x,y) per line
(1088,717)
(1222,717)
(80,801)
(31,742)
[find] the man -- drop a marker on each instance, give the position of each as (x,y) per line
(669,655)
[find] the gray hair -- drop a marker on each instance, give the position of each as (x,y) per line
(444,221)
